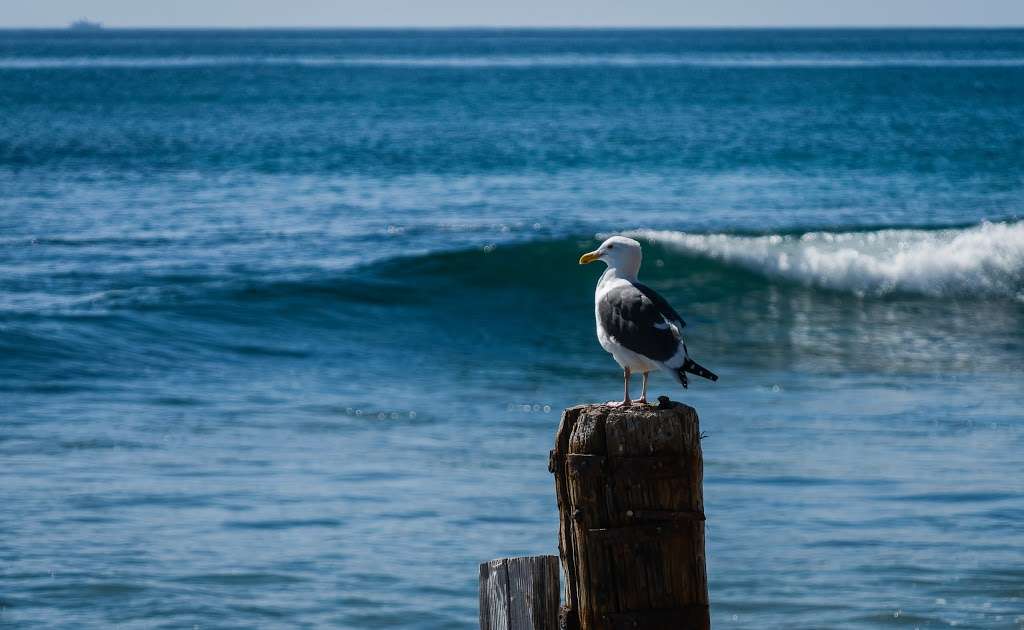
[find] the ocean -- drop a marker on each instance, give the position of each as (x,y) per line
(287,318)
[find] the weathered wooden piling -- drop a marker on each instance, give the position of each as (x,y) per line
(630,500)
(519,593)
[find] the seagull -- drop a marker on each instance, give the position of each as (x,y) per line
(635,324)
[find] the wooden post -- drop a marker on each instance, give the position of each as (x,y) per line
(629,484)
(519,594)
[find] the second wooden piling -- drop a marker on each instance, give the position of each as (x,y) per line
(519,593)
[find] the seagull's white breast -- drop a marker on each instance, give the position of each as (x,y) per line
(622,355)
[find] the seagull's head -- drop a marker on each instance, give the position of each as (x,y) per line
(618,252)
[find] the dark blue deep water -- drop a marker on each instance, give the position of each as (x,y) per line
(287,318)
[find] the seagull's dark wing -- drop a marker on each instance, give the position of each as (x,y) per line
(630,315)
(663,306)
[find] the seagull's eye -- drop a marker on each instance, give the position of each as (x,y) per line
(610,246)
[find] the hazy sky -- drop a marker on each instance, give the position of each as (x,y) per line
(515,12)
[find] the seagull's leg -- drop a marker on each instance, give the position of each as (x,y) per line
(626,373)
(643,392)
(625,398)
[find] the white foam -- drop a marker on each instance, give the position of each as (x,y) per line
(984,260)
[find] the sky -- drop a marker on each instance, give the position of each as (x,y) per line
(433,13)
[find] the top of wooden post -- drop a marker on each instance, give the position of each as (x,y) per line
(584,428)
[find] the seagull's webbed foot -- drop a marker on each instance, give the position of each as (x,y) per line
(620,403)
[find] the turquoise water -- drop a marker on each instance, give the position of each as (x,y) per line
(287,318)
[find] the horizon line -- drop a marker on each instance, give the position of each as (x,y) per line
(537,27)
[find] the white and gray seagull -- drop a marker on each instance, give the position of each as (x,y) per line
(635,324)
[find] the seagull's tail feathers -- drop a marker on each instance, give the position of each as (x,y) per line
(691,366)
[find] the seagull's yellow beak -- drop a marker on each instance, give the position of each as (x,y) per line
(589,257)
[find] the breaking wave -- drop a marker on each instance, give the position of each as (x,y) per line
(982,260)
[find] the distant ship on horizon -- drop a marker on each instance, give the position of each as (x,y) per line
(83,24)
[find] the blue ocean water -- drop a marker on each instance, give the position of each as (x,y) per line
(287,317)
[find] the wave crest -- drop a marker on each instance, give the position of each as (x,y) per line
(983,260)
